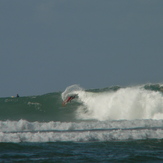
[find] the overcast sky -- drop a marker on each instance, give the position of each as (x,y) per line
(47,45)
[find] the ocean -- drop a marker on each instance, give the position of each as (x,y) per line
(113,124)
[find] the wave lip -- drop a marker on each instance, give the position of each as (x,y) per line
(112,103)
(114,113)
(138,102)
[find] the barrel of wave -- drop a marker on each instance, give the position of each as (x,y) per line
(70,93)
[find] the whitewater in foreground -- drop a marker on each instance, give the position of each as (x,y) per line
(112,114)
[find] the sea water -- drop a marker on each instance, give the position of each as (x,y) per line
(113,124)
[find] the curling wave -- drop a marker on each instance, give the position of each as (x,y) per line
(113,113)
(138,102)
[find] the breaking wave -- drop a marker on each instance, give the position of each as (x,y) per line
(108,114)
(139,102)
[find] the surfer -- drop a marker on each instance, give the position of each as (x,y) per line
(69,99)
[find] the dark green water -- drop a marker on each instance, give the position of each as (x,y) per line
(113,124)
(123,151)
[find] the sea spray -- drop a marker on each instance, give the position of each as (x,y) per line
(110,114)
(71,90)
(125,103)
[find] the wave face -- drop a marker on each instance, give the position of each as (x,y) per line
(112,113)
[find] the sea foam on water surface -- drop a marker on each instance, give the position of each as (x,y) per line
(125,103)
(83,131)
(131,113)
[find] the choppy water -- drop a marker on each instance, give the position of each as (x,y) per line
(100,125)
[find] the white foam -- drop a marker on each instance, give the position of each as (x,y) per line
(24,131)
(71,90)
(125,103)
(23,125)
(82,136)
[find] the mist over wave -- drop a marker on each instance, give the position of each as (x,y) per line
(112,113)
(137,102)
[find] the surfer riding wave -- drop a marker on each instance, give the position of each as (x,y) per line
(69,99)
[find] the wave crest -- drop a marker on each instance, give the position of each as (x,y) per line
(125,103)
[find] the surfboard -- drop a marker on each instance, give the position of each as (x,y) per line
(69,99)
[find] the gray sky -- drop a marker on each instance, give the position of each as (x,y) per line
(47,45)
